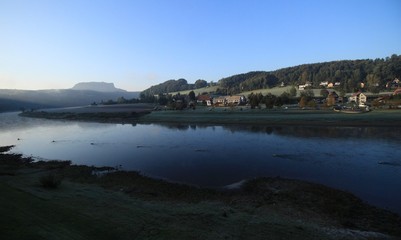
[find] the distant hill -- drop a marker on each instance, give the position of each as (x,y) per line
(14,100)
(97,86)
(174,86)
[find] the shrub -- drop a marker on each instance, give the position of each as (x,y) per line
(50,181)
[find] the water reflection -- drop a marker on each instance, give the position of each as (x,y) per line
(362,133)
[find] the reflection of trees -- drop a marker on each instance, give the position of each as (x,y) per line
(384,133)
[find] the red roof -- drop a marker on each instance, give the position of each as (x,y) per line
(397,91)
(203,97)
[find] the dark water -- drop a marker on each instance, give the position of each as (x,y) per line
(365,161)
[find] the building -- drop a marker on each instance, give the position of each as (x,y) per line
(358,98)
(221,100)
(204,99)
(236,99)
(232,100)
(324,84)
(307,84)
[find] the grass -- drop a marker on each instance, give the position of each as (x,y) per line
(197,91)
(274,90)
(275,117)
(126,205)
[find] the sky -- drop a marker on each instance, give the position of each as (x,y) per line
(54,44)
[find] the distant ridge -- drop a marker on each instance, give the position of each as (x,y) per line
(97,86)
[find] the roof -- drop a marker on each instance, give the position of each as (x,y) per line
(235,97)
(397,91)
(356,94)
(203,98)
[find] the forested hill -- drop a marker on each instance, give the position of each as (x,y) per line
(173,86)
(349,73)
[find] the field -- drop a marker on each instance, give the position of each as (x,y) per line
(126,205)
(275,117)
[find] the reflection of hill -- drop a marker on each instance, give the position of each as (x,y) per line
(385,133)
(16,99)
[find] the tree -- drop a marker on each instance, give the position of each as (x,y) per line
(121,100)
(162,99)
(200,83)
(191,96)
(303,101)
(285,98)
(372,81)
(330,100)
(269,100)
(255,99)
(293,91)
(308,93)
(324,93)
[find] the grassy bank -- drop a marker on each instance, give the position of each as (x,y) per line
(126,205)
(276,117)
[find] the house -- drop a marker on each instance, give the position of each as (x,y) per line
(307,84)
(236,99)
(224,100)
(324,84)
(358,98)
(221,100)
(204,99)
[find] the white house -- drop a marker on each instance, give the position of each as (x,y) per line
(307,84)
(359,98)
(324,84)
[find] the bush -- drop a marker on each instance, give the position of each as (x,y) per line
(50,181)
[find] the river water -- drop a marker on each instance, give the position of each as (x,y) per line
(365,161)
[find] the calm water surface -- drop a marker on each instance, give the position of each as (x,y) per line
(342,157)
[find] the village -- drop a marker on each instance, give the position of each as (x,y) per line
(328,96)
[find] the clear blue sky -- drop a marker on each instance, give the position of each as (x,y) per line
(53,44)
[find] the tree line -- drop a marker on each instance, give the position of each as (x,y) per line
(173,86)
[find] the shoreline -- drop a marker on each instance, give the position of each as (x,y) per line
(225,116)
(283,208)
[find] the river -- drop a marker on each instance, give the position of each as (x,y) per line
(365,161)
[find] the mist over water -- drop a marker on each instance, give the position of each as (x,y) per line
(365,161)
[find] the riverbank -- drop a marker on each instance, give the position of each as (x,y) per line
(103,203)
(237,115)
(279,117)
